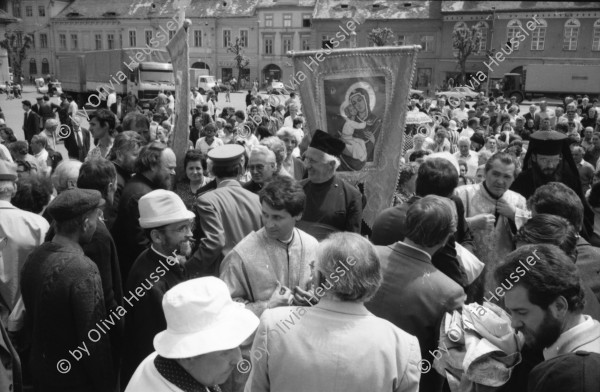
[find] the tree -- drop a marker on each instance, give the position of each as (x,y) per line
(381,36)
(466,42)
(16,45)
(242,61)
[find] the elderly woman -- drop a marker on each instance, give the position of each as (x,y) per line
(320,341)
(293,165)
(405,188)
(277,145)
(194,178)
(418,145)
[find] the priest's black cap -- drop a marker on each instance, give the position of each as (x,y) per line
(547,142)
(326,143)
(73,203)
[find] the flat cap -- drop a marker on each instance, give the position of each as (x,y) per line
(227,155)
(326,143)
(73,203)
(547,142)
(8,171)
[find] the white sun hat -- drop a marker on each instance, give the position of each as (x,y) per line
(162,207)
(202,318)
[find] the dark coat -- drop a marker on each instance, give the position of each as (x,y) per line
(334,203)
(73,149)
(62,292)
(415,296)
(122,177)
(390,227)
(31,125)
(252,186)
(153,276)
(129,237)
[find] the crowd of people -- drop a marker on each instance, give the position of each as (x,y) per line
(254,270)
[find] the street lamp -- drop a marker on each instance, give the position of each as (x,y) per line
(491,46)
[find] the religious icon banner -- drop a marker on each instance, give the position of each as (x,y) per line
(360,96)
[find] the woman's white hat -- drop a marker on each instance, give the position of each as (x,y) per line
(202,318)
(162,207)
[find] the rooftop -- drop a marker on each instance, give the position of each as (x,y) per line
(141,9)
(378,9)
(486,6)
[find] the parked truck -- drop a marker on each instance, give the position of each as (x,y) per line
(89,75)
(552,81)
(201,79)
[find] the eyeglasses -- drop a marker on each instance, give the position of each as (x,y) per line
(258,167)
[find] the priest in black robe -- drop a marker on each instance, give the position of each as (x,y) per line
(549,159)
(332,204)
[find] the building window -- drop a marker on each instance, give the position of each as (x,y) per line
(98,39)
(287,20)
(132,38)
(268,45)
(538,36)
(286,44)
(305,43)
(226,38)
(43,41)
(596,37)
(268,20)
(110,40)
(62,39)
(28,10)
(512,28)
(427,43)
(32,67)
(325,42)
(197,38)
(571,33)
(17,9)
(148,34)
(244,38)
(45,67)
(74,43)
(401,40)
(306,22)
(483,30)
(41,11)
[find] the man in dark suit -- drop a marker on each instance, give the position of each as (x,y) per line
(36,106)
(225,215)
(415,295)
(78,141)
(31,122)
(118,108)
(437,176)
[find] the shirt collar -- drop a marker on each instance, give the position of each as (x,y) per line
(228,182)
(176,375)
(586,331)
(163,255)
(425,254)
(6,204)
(345,307)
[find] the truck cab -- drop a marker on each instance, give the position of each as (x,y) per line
(148,79)
(513,86)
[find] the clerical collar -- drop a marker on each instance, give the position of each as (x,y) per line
(288,241)
(161,254)
(176,375)
(490,193)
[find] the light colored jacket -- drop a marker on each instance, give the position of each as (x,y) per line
(147,378)
(334,347)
